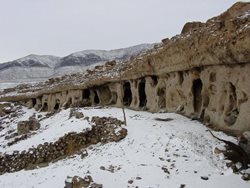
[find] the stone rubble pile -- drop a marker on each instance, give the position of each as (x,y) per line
(103,130)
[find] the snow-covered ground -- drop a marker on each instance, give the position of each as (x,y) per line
(154,154)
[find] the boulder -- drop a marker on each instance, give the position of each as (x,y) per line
(78,182)
(24,127)
(245,142)
(5,108)
(75,113)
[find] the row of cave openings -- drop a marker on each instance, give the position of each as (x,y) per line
(91,97)
(128,96)
(110,98)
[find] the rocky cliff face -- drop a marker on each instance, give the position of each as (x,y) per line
(202,73)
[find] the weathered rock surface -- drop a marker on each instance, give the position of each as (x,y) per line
(202,73)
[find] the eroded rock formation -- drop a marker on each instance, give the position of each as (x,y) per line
(202,73)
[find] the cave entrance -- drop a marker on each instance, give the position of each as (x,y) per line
(142,93)
(86,94)
(45,107)
(155,80)
(33,102)
(197,97)
(127,96)
(57,105)
(96,98)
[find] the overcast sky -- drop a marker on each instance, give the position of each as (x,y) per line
(60,27)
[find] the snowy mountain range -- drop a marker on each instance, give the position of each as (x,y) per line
(38,67)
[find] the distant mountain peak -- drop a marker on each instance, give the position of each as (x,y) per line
(45,66)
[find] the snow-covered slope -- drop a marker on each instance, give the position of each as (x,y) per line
(122,54)
(32,61)
(29,67)
(43,66)
(177,153)
(80,61)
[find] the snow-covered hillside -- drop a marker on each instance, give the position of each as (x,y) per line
(44,66)
(174,153)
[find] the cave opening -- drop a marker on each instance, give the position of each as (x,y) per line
(57,105)
(33,102)
(86,94)
(197,97)
(142,94)
(127,97)
(96,98)
(181,78)
(155,80)
(45,107)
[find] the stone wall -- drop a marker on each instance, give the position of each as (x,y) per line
(104,130)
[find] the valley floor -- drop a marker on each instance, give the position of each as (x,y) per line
(176,153)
